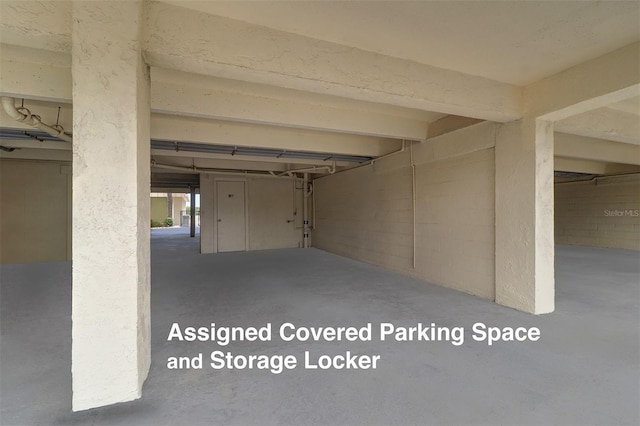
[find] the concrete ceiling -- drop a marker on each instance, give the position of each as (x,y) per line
(37,24)
(619,122)
(516,42)
(474,56)
(631,106)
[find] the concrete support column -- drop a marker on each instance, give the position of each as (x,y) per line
(207,220)
(111,211)
(524,216)
(192,211)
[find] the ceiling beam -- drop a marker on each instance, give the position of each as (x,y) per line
(603,123)
(585,148)
(189,129)
(593,84)
(237,164)
(207,97)
(35,74)
(42,75)
(574,165)
(186,40)
(260,163)
(450,123)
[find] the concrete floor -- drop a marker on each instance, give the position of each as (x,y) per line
(584,370)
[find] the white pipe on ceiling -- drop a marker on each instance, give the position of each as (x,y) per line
(246,173)
(331,169)
(32,120)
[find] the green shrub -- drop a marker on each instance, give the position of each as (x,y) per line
(168,222)
(156,224)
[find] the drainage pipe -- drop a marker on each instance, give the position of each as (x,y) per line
(305,211)
(246,173)
(313,207)
(23,115)
(413,198)
(403,149)
(331,169)
(373,161)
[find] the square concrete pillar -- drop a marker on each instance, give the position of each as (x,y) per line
(524,216)
(111,217)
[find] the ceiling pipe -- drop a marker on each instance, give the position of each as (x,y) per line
(403,149)
(32,120)
(372,162)
(246,173)
(331,169)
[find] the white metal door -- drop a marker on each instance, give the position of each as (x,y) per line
(232,229)
(272,214)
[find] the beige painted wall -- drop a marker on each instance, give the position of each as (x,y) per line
(367,213)
(159,209)
(455,222)
(269,202)
(179,204)
(35,206)
(601,213)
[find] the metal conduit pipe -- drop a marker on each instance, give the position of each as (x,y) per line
(305,211)
(413,199)
(331,169)
(246,173)
(403,149)
(23,115)
(373,161)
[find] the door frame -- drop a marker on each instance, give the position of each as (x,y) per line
(215,209)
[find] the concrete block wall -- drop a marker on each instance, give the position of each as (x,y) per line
(455,222)
(604,212)
(367,213)
(35,211)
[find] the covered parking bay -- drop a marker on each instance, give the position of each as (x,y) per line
(457,144)
(584,368)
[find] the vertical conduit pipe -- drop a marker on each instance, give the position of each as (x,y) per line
(313,207)
(413,197)
(305,211)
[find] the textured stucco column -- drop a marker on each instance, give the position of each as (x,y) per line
(524,216)
(111,173)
